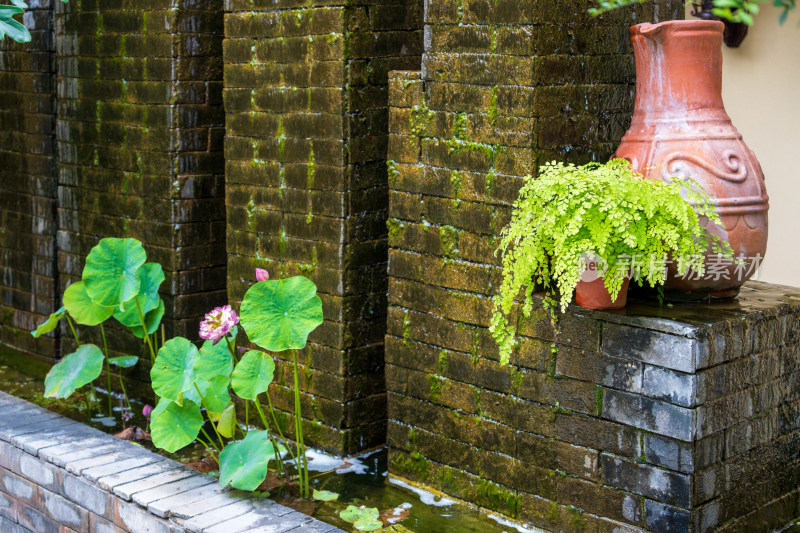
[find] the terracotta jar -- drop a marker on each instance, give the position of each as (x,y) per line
(680,129)
(594,295)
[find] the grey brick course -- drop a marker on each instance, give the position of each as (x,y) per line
(105,485)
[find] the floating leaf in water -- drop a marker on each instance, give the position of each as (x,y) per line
(82,308)
(110,271)
(325,495)
(173,370)
(74,371)
(243,464)
(124,361)
(151,276)
(51,324)
(253,374)
(368,523)
(278,315)
(174,426)
(353,514)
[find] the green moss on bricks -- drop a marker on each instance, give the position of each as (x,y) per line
(517,378)
(498,498)
(333,37)
(576,518)
(458,142)
(460,127)
(250,210)
(392,172)
(282,243)
(492,113)
(558,410)
(406,328)
(553,512)
(311,169)
(448,237)
(421,117)
(441,367)
(395,228)
(435,385)
(474,347)
(446,480)
(412,439)
(552,360)
(598,399)
(415,464)
(281,139)
(478,408)
(491,180)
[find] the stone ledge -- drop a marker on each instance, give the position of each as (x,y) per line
(60,475)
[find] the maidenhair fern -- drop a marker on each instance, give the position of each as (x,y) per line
(602,209)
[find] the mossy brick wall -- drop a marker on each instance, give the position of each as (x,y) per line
(682,419)
(504,87)
(27,184)
(140,144)
(306,99)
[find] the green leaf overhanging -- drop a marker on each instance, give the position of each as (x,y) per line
(50,324)
(243,464)
(253,374)
(74,371)
(81,307)
(174,426)
(173,370)
(150,276)
(110,271)
(278,315)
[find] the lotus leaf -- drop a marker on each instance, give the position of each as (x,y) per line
(82,308)
(110,271)
(243,464)
(278,315)
(253,374)
(174,426)
(50,324)
(74,371)
(173,369)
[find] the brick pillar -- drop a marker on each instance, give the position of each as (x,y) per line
(140,132)
(27,185)
(306,100)
(505,86)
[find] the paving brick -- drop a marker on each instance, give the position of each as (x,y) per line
(211,517)
(127,490)
(110,482)
(148,496)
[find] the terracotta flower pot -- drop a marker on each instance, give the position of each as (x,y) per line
(594,295)
(680,129)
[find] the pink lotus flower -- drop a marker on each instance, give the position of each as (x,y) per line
(147,410)
(261,274)
(218,323)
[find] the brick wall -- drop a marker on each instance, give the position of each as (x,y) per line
(140,132)
(639,421)
(306,98)
(27,184)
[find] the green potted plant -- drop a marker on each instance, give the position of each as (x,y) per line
(606,213)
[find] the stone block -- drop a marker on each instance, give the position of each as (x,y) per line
(88,496)
(148,496)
